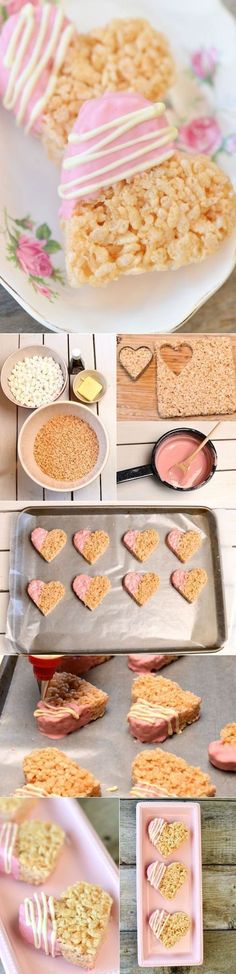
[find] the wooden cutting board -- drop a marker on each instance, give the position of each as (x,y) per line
(138,399)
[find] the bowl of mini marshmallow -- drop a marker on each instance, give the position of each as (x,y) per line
(34,376)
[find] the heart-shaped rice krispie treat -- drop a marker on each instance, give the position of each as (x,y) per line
(135,360)
(72,926)
(57,69)
(91,591)
(184,544)
(48,543)
(169,928)
(130,202)
(141,587)
(91,544)
(222,754)
(141,544)
(48,771)
(46,595)
(167,836)
(167,879)
(189,583)
(21,849)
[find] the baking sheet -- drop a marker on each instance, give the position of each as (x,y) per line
(74,864)
(166,622)
(189,950)
(106,747)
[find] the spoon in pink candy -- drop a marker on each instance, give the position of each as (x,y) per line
(178,472)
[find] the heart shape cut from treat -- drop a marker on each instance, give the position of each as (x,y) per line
(189,583)
(176,357)
(167,836)
(141,587)
(91,591)
(141,544)
(169,928)
(91,544)
(184,544)
(48,543)
(46,595)
(135,360)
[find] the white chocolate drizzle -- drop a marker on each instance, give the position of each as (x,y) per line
(8,834)
(149,713)
(155,873)
(145,789)
(157,921)
(84,184)
(155,829)
(40,916)
(57,712)
(22,81)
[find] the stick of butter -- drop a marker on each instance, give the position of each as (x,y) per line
(89,388)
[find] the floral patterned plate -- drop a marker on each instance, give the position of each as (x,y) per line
(203,102)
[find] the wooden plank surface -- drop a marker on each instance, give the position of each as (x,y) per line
(219,880)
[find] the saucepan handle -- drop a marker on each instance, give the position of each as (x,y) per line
(134,473)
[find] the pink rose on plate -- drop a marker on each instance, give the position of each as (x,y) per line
(32,257)
(203,62)
(12,6)
(45,291)
(201,135)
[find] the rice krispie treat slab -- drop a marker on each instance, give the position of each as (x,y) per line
(222,753)
(91,591)
(189,583)
(48,543)
(167,879)
(169,928)
(184,544)
(206,384)
(146,210)
(167,836)
(57,68)
(141,544)
(72,926)
(53,773)
(91,544)
(135,360)
(29,851)
(149,662)
(170,775)
(69,703)
(141,587)
(46,595)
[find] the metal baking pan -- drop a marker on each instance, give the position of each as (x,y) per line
(166,622)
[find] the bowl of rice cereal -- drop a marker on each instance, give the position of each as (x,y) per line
(63,446)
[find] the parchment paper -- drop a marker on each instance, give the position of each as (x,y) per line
(105,746)
(165,622)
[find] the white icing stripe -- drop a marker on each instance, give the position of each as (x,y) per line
(25,81)
(155,829)
(8,834)
(143,789)
(157,921)
(140,115)
(148,713)
(57,713)
(40,916)
(156,873)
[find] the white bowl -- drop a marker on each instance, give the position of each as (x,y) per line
(27,352)
(34,423)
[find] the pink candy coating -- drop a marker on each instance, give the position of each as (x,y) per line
(35,589)
(38,538)
(81,585)
(131,582)
(222,756)
(178,578)
(80,538)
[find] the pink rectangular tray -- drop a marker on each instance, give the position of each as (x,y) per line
(189,951)
(83,857)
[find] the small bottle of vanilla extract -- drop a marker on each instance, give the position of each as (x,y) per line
(76,362)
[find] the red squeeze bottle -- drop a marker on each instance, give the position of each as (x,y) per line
(44,667)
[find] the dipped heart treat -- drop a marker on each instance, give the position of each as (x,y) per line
(135,360)
(124,190)
(69,703)
(184,544)
(141,544)
(158,773)
(141,587)
(169,928)
(91,591)
(46,595)
(72,926)
(91,544)
(148,662)
(167,836)
(48,543)
(21,849)
(167,879)
(222,753)
(161,708)
(47,69)
(189,583)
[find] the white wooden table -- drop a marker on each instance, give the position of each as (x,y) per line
(135,443)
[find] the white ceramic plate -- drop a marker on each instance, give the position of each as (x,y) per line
(205,88)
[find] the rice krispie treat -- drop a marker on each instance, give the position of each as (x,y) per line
(48,543)
(13,808)
(29,851)
(57,69)
(81,664)
(132,204)
(189,583)
(91,544)
(161,708)
(69,703)
(167,836)
(72,926)
(149,662)
(135,360)
(222,754)
(46,595)
(197,377)
(141,587)
(141,544)
(167,879)
(91,591)
(169,928)
(162,774)
(184,544)
(53,773)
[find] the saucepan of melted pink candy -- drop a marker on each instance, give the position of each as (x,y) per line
(176,448)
